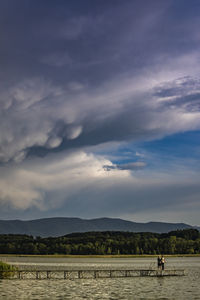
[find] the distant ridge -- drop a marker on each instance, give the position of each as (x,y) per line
(62,226)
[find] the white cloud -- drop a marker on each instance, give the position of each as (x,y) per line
(139,154)
(28,184)
(79,184)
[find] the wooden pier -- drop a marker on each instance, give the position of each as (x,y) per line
(88,274)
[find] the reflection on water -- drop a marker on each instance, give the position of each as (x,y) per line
(187,287)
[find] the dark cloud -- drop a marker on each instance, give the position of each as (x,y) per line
(128,166)
(76,75)
(51,119)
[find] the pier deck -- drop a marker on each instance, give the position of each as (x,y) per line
(92,274)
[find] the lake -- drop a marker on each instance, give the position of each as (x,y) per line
(186,287)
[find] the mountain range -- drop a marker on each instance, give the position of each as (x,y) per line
(61,226)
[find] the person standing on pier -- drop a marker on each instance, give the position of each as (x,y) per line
(159,262)
(163,262)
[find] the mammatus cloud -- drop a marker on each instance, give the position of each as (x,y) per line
(36,113)
(73,132)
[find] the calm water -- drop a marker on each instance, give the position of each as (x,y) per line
(186,287)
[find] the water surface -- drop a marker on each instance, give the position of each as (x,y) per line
(186,287)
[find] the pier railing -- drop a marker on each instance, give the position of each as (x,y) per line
(93,274)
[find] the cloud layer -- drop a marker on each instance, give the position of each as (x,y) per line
(37,114)
(79,184)
(79,83)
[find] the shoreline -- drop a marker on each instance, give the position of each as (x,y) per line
(97,256)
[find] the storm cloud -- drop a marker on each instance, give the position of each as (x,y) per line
(81,80)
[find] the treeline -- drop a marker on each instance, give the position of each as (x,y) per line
(104,243)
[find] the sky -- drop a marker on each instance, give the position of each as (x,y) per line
(100,109)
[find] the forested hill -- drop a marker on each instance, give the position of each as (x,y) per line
(61,226)
(103,243)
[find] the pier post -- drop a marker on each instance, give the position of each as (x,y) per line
(37,275)
(48,274)
(79,274)
(19,275)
